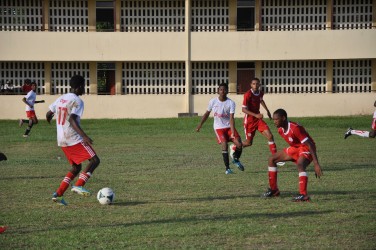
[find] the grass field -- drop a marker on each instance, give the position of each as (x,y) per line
(172,193)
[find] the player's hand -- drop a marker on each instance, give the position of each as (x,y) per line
(318,171)
(87,140)
(198,128)
(259,116)
(42,101)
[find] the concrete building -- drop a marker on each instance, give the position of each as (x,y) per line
(157,58)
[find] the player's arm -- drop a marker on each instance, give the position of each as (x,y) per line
(232,124)
(76,126)
(203,120)
(246,111)
(41,101)
(266,108)
(312,150)
(49,116)
(26,102)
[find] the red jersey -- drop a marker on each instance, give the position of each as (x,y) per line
(295,135)
(252,102)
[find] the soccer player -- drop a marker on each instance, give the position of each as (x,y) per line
(253,119)
(74,142)
(29,100)
(362,133)
(302,152)
(224,126)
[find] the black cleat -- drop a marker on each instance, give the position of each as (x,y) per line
(348,133)
(301,197)
(271,193)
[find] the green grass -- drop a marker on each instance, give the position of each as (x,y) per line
(172,193)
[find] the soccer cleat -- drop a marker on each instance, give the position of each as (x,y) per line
(58,199)
(229,171)
(232,150)
(281,163)
(20,123)
(271,193)
(25,136)
(80,190)
(301,197)
(348,133)
(238,164)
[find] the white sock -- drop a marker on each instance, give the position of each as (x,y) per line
(360,133)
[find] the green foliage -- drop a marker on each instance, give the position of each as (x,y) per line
(172,193)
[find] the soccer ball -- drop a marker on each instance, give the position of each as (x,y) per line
(106,196)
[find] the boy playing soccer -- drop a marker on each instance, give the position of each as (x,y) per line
(224,126)
(253,119)
(29,100)
(365,134)
(72,139)
(302,151)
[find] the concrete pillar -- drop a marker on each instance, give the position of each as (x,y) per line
(233,12)
(373,75)
(233,77)
(374,14)
(47,78)
(93,78)
(117,15)
(46,15)
(118,77)
(258,70)
(92,15)
(329,76)
(329,14)
(258,15)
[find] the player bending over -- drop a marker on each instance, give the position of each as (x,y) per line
(362,133)
(253,119)
(224,126)
(76,145)
(302,151)
(29,100)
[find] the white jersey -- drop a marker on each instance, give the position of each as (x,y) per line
(63,107)
(222,111)
(30,98)
(374,115)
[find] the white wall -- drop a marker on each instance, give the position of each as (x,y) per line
(165,106)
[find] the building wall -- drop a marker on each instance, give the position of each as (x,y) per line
(166,106)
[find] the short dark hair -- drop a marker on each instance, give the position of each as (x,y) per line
(34,83)
(281,112)
(223,85)
(76,81)
(255,79)
(28,81)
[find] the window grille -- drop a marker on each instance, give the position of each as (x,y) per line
(21,15)
(61,73)
(18,72)
(352,76)
(206,76)
(349,14)
(69,15)
(293,15)
(152,15)
(294,77)
(210,15)
(153,78)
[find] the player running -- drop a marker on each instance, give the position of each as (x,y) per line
(72,139)
(302,151)
(253,119)
(30,100)
(362,133)
(224,126)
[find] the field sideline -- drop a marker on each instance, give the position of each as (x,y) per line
(172,193)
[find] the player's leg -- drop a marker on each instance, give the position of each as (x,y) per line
(237,151)
(372,134)
(86,174)
(57,196)
(302,164)
(222,139)
(32,120)
(249,131)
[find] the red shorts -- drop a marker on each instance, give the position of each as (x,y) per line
(224,135)
(295,153)
(30,114)
(78,153)
(374,124)
(250,128)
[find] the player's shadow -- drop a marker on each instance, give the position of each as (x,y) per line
(129,203)
(26,177)
(343,167)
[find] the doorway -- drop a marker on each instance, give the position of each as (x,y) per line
(106,78)
(245,74)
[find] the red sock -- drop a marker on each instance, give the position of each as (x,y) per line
(65,184)
(84,177)
(303,181)
(273,178)
(272,147)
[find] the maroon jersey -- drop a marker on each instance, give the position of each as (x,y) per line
(252,102)
(295,135)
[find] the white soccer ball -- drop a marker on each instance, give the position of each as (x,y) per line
(106,196)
